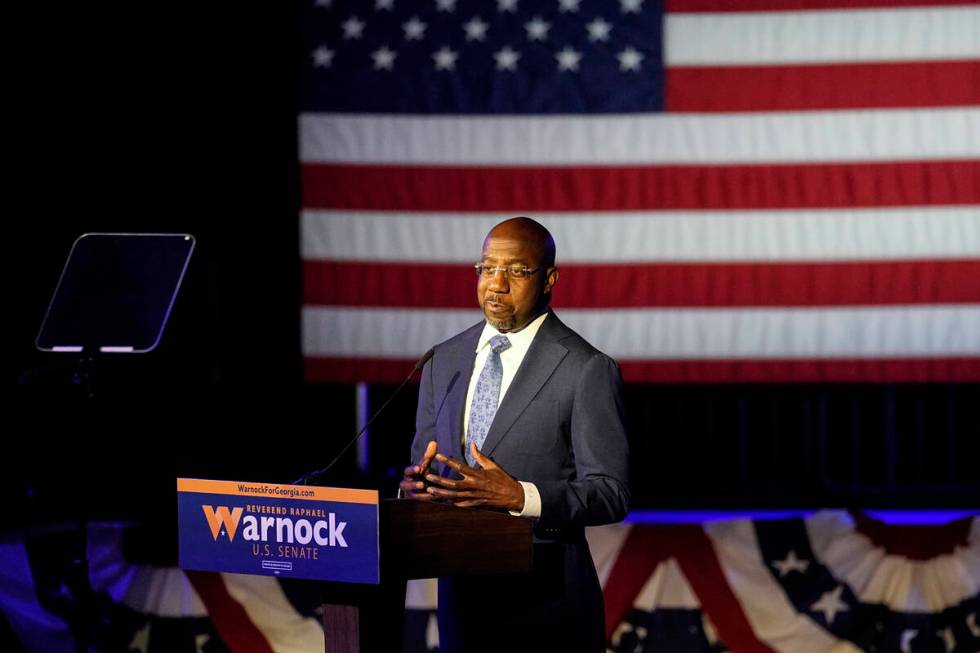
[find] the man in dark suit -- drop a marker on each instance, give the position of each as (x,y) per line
(521,413)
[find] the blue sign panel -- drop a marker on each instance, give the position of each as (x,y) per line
(279,530)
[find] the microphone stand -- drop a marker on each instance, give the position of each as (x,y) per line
(313,478)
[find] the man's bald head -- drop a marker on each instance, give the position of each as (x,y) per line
(531,232)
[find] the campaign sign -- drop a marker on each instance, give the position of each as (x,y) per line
(294,531)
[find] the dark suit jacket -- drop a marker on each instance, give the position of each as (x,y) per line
(559,426)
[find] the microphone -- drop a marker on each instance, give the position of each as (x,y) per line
(311,478)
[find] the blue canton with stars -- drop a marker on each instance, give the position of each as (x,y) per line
(482,56)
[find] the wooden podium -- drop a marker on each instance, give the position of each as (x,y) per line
(419,539)
(359,549)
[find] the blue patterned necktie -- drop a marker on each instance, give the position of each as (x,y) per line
(486,397)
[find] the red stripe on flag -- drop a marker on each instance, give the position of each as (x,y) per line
(231,621)
(320,369)
(733,6)
(326,369)
(642,552)
(858,370)
(917,542)
(620,188)
(702,570)
(837,86)
(335,283)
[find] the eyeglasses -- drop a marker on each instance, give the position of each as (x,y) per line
(511,271)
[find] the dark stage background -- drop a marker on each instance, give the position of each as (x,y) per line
(183,118)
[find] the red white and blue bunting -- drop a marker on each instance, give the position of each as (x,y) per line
(828,582)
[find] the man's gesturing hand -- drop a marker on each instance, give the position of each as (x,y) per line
(412,485)
(487,485)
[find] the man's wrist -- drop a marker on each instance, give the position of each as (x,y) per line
(519,499)
(532,501)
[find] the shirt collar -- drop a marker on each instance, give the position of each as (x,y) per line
(518,339)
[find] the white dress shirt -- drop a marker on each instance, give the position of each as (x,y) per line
(510,360)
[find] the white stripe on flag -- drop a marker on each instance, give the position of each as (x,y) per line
(607,237)
(811,137)
(605,544)
(799,333)
(266,605)
(31,622)
(837,544)
(773,618)
(160,591)
(667,588)
(782,37)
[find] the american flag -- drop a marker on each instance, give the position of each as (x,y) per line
(762,190)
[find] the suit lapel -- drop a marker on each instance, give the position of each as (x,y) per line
(458,375)
(539,363)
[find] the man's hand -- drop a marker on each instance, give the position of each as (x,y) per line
(487,485)
(412,485)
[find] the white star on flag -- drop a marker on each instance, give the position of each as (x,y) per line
(630,6)
(948,640)
(353,28)
(537,29)
(384,59)
(323,3)
(598,30)
(141,639)
(322,57)
(830,604)
(506,58)
(568,59)
(476,29)
(414,29)
(971,623)
(387,5)
(446,5)
(791,563)
(905,641)
(507,6)
(568,6)
(445,59)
